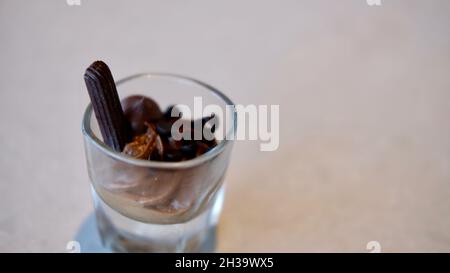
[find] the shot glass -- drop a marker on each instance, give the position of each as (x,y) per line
(152,206)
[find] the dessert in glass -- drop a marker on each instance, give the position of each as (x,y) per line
(153,192)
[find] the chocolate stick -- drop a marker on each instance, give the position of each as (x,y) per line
(114,127)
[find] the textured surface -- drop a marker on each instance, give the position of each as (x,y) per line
(364,99)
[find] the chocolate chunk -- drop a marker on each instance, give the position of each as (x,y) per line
(114,127)
(164,127)
(140,109)
(143,146)
(189,149)
(158,152)
(174,144)
(173,155)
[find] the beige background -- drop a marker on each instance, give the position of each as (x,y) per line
(364,94)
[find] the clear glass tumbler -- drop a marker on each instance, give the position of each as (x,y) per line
(151,206)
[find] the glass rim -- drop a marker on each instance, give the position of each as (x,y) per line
(89,134)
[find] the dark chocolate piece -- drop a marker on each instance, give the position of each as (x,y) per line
(114,127)
(146,145)
(164,127)
(173,155)
(189,149)
(140,109)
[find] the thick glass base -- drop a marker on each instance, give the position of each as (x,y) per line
(122,234)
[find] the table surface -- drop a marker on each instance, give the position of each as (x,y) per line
(364,96)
